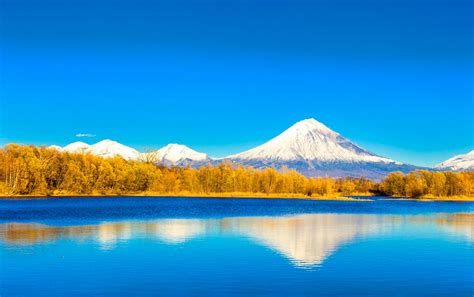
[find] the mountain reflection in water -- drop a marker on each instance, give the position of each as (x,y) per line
(306,240)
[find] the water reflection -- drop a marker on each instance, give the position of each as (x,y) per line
(306,240)
(175,231)
(460,223)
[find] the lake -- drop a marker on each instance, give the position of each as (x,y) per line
(142,246)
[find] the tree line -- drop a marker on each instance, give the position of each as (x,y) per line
(31,170)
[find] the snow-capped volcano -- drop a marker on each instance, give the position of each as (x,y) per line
(458,163)
(105,148)
(315,150)
(310,140)
(178,154)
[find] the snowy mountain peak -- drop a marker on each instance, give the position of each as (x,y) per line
(310,140)
(108,148)
(105,148)
(309,125)
(106,142)
(458,163)
(174,153)
(76,147)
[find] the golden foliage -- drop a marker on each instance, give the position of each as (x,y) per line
(31,170)
(428,183)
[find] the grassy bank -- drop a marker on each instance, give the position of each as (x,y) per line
(364,196)
(428,198)
(197,195)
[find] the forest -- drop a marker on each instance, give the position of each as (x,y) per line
(32,170)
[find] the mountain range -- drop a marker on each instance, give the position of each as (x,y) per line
(308,146)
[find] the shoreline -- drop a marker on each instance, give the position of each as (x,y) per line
(441,199)
(363,197)
(184,195)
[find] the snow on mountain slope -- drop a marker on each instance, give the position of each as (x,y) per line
(310,140)
(458,163)
(315,150)
(172,154)
(105,148)
(109,148)
(76,147)
(178,154)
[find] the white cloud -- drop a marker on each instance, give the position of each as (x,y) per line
(85,135)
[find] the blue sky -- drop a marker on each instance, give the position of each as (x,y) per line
(394,76)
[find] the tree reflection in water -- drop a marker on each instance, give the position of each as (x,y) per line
(306,240)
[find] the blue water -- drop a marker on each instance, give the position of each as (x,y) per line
(237,247)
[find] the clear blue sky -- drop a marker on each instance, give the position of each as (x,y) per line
(395,76)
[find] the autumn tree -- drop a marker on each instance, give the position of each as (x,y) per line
(28,170)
